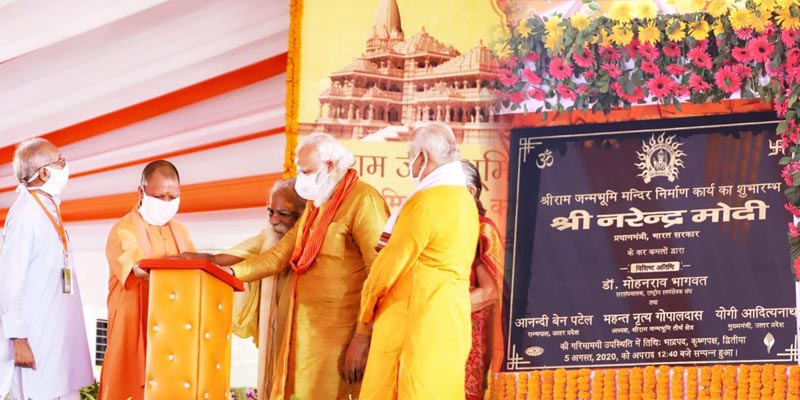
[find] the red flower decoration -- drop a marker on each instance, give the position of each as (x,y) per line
(788,170)
(789,38)
(700,58)
(516,97)
(672,49)
(697,83)
(566,93)
(648,52)
(633,47)
(531,77)
(612,69)
(507,77)
(744,34)
(676,69)
(793,57)
(650,67)
(792,209)
(680,90)
(743,70)
(793,232)
(584,60)
(532,56)
(559,69)
(760,49)
(537,94)
(727,79)
(610,54)
(740,54)
(660,85)
(789,140)
(589,75)
(781,107)
(796,266)
(638,94)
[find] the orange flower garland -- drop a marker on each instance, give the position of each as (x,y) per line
(662,382)
(610,385)
(584,383)
(572,385)
(729,382)
(649,389)
(780,387)
(499,387)
(767,381)
(743,381)
(691,383)
(636,384)
(559,384)
(522,386)
(677,383)
(535,386)
(705,383)
(624,384)
(511,386)
(293,87)
(548,384)
(755,382)
(794,383)
(598,384)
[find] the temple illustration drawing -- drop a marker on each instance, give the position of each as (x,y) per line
(398,82)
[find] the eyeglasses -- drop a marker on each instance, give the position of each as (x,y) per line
(61,162)
(281,213)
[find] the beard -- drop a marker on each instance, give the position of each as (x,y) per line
(327,188)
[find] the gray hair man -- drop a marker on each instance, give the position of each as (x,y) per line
(328,254)
(417,295)
(44,353)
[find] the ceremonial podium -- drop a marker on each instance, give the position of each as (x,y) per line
(189,330)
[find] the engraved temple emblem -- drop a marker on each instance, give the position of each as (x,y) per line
(660,157)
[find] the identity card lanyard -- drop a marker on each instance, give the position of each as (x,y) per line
(58,224)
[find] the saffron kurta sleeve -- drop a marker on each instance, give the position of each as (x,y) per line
(249,247)
(271,262)
(394,260)
(123,251)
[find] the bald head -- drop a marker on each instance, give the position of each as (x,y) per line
(161,167)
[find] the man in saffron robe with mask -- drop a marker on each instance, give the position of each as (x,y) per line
(417,294)
(328,253)
(148,231)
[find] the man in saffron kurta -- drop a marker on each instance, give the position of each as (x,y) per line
(330,250)
(417,293)
(147,232)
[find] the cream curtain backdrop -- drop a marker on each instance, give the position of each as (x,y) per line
(118,84)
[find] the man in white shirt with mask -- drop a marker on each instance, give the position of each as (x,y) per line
(148,231)
(44,352)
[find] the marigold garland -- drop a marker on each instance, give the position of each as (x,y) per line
(548,384)
(572,385)
(691,383)
(743,382)
(610,385)
(511,386)
(584,383)
(794,383)
(535,386)
(662,382)
(598,384)
(676,383)
(522,386)
(780,387)
(293,86)
(705,383)
(499,386)
(715,388)
(755,382)
(637,383)
(729,382)
(767,381)
(624,384)
(649,383)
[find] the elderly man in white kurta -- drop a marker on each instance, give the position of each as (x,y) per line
(44,352)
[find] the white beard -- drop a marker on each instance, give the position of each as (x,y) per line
(326,189)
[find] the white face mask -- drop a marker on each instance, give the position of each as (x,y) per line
(309,187)
(57,181)
(158,212)
(416,179)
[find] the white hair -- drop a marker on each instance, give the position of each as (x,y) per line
(287,186)
(437,139)
(28,158)
(329,149)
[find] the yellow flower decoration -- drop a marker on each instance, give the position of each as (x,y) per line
(502,50)
(740,18)
(579,21)
(786,20)
(523,29)
(650,33)
(603,39)
(718,8)
(621,35)
(675,30)
(620,12)
(552,26)
(699,4)
(785,4)
(647,10)
(759,24)
(699,30)
(551,43)
(719,27)
(765,6)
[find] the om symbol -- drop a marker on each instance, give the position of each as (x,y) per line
(545,159)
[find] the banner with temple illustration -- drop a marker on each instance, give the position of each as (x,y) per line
(370,70)
(640,243)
